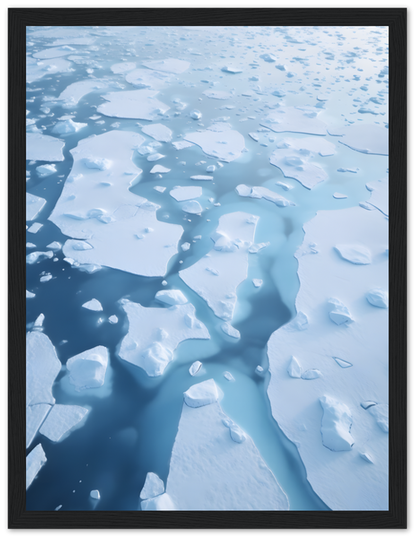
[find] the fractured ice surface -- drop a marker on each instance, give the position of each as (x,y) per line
(192,206)
(158,131)
(144,78)
(139,104)
(216,278)
(337,477)
(62,419)
(211,470)
(42,367)
(34,462)
(295,120)
(34,205)
(379,194)
(73,93)
(263,192)
(45,170)
(366,138)
(96,204)
(219,141)
(87,369)
(186,193)
(170,65)
(35,415)
(155,333)
(161,502)
(41,147)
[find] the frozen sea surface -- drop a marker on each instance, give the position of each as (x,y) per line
(173,181)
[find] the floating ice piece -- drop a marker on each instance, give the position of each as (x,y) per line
(259,370)
(155,157)
(159,169)
(195,115)
(35,257)
(41,147)
(204,393)
(339,312)
(195,368)
(211,168)
(231,265)
(34,205)
(42,367)
(36,226)
(225,145)
(171,297)
(202,178)
(185,246)
(139,104)
(284,186)
(34,462)
(61,420)
(35,415)
(339,195)
(159,189)
(37,68)
(29,295)
(358,254)
(68,127)
(352,170)
(95,494)
(231,69)
(54,52)
(313,373)
(229,376)
(161,502)
(39,321)
(366,457)
(87,369)
(379,195)
(211,471)
(170,65)
(182,144)
(268,57)
(218,94)
(144,78)
(45,278)
(186,193)
(367,138)
(192,206)
(140,346)
(294,369)
(230,330)
(378,297)
(113,319)
(336,425)
(153,486)
(46,170)
(381,413)
(295,120)
(257,282)
(263,192)
(73,93)
(158,131)
(93,304)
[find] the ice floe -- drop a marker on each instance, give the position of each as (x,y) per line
(186,193)
(153,486)
(170,65)
(155,333)
(35,415)
(61,420)
(93,304)
(34,462)
(46,170)
(87,369)
(379,195)
(366,138)
(158,131)
(34,205)
(295,120)
(215,465)
(73,93)
(171,297)
(216,278)
(41,147)
(223,143)
(139,104)
(341,479)
(193,207)
(42,367)
(263,192)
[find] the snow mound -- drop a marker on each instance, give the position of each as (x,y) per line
(87,369)
(378,298)
(171,297)
(204,393)
(358,254)
(336,425)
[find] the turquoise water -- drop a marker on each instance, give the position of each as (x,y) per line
(132,431)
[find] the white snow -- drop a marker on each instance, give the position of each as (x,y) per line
(343,480)
(161,502)
(295,120)
(155,333)
(153,486)
(73,93)
(159,169)
(139,104)
(216,466)
(93,304)
(195,368)
(366,138)
(257,282)
(34,462)
(186,193)
(230,330)
(34,205)
(36,226)
(171,297)
(113,319)
(336,425)
(67,126)
(41,147)
(61,420)
(225,145)
(144,78)
(35,415)
(358,254)
(158,131)
(87,369)
(229,261)
(193,207)
(202,178)
(170,65)
(46,170)
(378,297)
(218,94)
(262,192)
(42,367)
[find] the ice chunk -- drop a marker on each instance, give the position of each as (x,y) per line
(263,192)
(30,295)
(257,282)
(182,144)
(170,65)
(339,313)
(35,257)
(192,206)
(159,169)
(46,170)
(153,487)
(186,193)
(367,138)
(87,369)
(161,502)
(171,297)
(36,226)
(204,393)
(93,304)
(34,205)
(366,457)
(140,346)
(73,93)
(41,147)
(95,494)
(339,195)
(113,319)
(67,126)
(158,131)
(195,115)
(42,367)
(381,413)
(295,120)
(34,462)
(336,425)
(195,368)
(185,246)
(294,369)
(225,145)
(35,415)
(139,104)
(313,373)
(358,254)
(230,330)
(202,178)
(229,376)
(60,420)
(378,297)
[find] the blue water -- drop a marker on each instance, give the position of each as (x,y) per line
(132,431)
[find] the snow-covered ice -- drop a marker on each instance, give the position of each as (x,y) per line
(139,104)
(93,304)
(61,420)
(263,192)
(41,147)
(42,367)
(225,145)
(171,297)
(170,65)
(34,205)
(295,120)
(34,462)
(87,369)
(158,131)
(186,193)
(153,486)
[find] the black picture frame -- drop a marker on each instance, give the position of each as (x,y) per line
(396,516)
